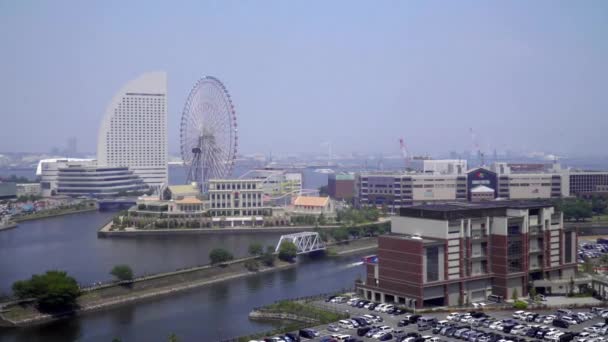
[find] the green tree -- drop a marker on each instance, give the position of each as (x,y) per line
(173,338)
(571,286)
(520,305)
(514,295)
(287,251)
(54,290)
(340,234)
(321,220)
(604,259)
(220,255)
(268,257)
(588,266)
(122,272)
(323,191)
(256,249)
(252,265)
(532,292)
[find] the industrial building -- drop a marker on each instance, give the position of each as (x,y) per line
(455,253)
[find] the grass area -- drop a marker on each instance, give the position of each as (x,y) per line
(301,309)
(52,213)
(19,312)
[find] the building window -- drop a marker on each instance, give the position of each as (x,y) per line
(568,247)
(432,263)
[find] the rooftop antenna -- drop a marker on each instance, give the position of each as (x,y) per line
(404,153)
(476,148)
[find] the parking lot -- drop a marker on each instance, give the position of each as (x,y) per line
(486,334)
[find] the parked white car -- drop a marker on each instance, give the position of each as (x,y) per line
(383,330)
(344,324)
(453,316)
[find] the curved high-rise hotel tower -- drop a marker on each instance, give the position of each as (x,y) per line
(133,132)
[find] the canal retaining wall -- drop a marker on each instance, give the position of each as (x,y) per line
(142,288)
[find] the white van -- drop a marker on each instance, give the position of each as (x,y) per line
(426,322)
(344,324)
(564,312)
(340,337)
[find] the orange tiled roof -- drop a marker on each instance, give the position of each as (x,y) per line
(311,201)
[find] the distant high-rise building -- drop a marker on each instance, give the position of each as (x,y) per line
(133,132)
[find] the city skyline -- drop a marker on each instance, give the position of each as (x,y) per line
(297,69)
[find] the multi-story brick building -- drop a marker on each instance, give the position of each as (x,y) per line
(447,254)
(341,186)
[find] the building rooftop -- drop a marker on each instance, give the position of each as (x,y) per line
(177,190)
(189,200)
(456,210)
(482,189)
(311,201)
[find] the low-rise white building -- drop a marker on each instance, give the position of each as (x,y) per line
(237,197)
(28,189)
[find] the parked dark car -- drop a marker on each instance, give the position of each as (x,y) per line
(362,303)
(560,323)
(567,337)
(532,332)
(363,331)
(403,323)
(386,337)
(414,318)
(531,318)
(309,333)
(328,299)
(360,320)
(293,336)
(372,306)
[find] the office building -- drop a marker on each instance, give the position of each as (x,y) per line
(454,253)
(397,190)
(341,186)
(133,132)
(237,197)
(445,166)
(48,172)
(97,181)
(587,182)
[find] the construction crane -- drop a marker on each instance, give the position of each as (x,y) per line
(404,152)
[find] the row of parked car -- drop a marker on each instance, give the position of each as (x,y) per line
(518,331)
(366,304)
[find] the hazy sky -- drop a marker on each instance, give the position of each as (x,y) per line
(525,75)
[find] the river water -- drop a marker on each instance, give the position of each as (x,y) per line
(208,313)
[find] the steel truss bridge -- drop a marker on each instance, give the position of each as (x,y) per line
(305,242)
